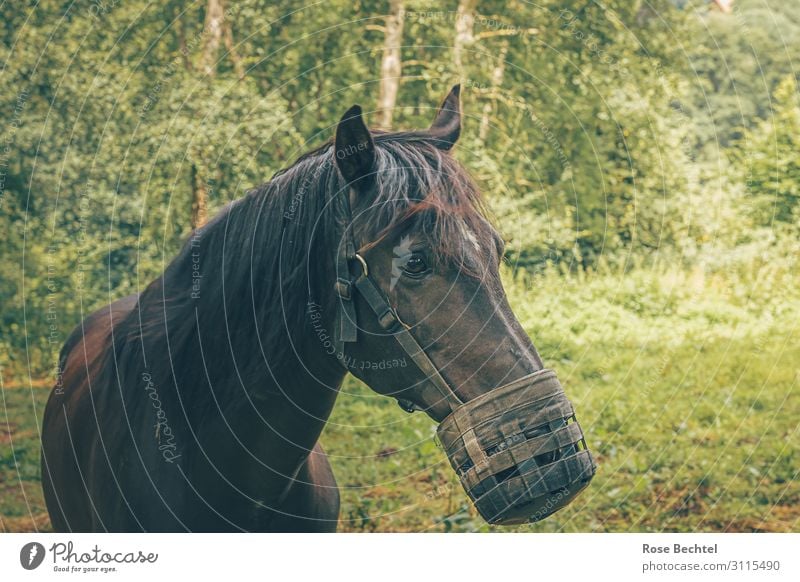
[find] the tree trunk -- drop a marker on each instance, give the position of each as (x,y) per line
(184,50)
(497,80)
(725,6)
(215,14)
(214,32)
(199,199)
(391,65)
(465,23)
(227,34)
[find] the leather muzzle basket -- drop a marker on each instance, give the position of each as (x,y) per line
(518,450)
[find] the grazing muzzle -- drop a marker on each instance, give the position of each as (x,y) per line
(518,450)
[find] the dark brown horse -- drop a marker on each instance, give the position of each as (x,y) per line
(198,404)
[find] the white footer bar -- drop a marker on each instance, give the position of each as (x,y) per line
(401,557)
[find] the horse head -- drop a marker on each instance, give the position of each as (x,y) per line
(423,317)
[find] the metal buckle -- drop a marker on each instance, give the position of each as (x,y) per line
(364,266)
(388,320)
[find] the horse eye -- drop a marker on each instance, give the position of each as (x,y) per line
(415,265)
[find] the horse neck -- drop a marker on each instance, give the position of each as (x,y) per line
(241,355)
(270,400)
(280,423)
(252,422)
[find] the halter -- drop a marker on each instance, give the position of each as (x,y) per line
(352,275)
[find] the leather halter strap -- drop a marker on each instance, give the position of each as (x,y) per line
(349,282)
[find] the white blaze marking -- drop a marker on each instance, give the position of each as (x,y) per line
(470,236)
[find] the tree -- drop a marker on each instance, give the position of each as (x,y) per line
(217,26)
(391,63)
(464,37)
(770,156)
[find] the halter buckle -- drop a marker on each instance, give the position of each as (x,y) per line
(364,266)
(389,320)
(344,289)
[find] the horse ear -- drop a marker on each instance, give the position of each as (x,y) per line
(354,148)
(447,126)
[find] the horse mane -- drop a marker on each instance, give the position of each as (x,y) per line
(228,308)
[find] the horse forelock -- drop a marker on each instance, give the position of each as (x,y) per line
(422,187)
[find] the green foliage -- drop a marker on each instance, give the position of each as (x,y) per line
(771,155)
(587,126)
(739,66)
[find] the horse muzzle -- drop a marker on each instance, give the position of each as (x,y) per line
(518,450)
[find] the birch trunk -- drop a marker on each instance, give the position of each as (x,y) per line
(497,80)
(465,24)
(213,32)
(391,65)
(199,199)
(215,15)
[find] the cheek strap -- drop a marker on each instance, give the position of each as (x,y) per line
(390,322)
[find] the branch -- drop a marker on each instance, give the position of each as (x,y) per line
(507,32)
(227,35)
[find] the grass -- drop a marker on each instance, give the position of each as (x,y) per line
(21,503)
(686,383)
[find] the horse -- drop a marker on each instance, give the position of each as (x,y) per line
(197,404)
